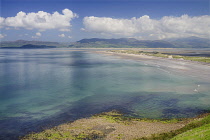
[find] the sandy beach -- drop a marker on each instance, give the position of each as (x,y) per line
(186,67)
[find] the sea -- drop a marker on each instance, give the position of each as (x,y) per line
(42,88)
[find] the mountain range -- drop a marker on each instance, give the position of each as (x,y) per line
(22,43)
(190,42)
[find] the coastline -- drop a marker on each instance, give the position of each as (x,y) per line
(184,67)
(115,126)
(146,57)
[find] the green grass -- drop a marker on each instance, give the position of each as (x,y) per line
(158,54)
(49,134)
(116,116)
(199,128)
(200,133)
(61,135)
(70,133)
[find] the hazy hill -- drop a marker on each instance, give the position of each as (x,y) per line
(191,42)
(20,43)
(30,46)
(121,43)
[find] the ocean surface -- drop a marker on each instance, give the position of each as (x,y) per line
(42,88)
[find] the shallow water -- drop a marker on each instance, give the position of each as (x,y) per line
(40,88)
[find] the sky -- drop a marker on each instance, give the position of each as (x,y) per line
(72,20)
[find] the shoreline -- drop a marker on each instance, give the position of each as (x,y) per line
(144,56)
(115,126)
(194,69)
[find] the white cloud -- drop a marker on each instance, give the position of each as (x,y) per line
(40,20)
(82,29)
(147,28)
(70,37)
(34,37)
(2,36)
(38,34)
(108,25)
(61,35)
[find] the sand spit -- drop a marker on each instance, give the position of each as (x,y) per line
(184,67)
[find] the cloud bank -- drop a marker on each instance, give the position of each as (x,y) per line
(40,20)
(147,28)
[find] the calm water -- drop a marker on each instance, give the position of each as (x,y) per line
(43,88)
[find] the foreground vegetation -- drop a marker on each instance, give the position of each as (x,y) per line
(197,129)
(102,126)
(158,54)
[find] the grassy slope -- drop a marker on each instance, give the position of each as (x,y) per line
(200,133)
(199,129)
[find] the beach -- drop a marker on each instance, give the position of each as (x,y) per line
(188,67)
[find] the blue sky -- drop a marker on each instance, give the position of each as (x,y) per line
(142,19)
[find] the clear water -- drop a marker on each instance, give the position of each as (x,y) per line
(40,88)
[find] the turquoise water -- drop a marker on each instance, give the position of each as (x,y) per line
(40,88)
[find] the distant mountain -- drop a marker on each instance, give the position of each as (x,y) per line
(21,43)
(121,43)
(111,41)
(30,46)
(190,42)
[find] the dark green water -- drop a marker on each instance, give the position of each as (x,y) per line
(41,88)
